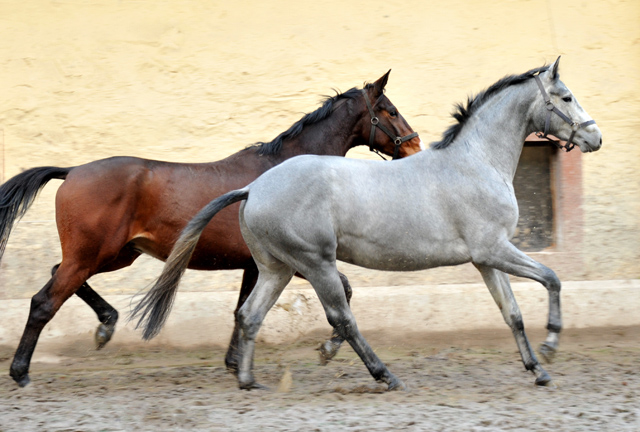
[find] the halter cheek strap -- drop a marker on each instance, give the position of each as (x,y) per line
(551,108)
(375,123)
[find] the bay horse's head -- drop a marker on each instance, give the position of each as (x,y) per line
(395,136)
(560,114)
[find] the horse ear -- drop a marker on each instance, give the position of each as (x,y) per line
(553,70)
(378,86)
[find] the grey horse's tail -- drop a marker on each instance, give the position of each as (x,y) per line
(18,193)
(154,308)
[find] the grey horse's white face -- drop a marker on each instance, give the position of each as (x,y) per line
(588,138)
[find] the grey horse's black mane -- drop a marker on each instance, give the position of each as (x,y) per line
(274,147)
(462,113)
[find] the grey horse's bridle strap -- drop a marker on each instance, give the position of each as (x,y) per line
(375,123)
(551,108)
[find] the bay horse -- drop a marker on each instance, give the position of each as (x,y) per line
(110,211)
(451,204)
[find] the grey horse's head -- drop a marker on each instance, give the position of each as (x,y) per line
(588,137)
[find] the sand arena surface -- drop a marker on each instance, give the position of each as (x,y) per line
(464,381)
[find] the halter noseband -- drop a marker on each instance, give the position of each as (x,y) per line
(551,108)
(375,122)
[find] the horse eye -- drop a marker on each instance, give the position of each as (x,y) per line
(393,113)
(567,99)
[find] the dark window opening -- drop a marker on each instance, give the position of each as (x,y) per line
(532,185)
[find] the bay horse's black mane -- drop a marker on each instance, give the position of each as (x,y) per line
(462,113)
(274,147)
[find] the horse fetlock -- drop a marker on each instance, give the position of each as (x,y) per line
(103,335)
(231,361)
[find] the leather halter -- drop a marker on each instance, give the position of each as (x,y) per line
(551,108)
(375,123)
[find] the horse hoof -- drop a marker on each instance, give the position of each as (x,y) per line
(22,380)
(253,386)
(544,380)
(103,335)
(397,385)
(547,352)
(328,350)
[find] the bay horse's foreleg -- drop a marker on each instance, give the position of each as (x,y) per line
(107,314)
(249,279)
(507,258)
(500,289)
(44,306)
(329,349)
(329,289)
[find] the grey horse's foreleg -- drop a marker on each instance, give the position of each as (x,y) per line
(107,314)
(268,288)
(329,349)
(330,292)
(500,289)
(509,259)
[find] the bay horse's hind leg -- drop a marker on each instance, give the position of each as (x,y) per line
(500,288)
(44,306)
(106,313)
(249,279)
(329,349)
(328,286)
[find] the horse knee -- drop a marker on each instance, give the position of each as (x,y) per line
(41,310)
(515,321)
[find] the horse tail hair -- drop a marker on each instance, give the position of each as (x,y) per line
(154,307)
(19,192)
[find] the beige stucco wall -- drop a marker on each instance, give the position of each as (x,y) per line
(199,80)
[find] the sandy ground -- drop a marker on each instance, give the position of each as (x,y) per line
(465,381)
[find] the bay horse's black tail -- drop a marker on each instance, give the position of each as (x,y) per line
(18,193)
(154,307)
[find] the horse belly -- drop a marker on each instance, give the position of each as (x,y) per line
(403,254)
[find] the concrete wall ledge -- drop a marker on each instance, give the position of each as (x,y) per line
(205,318)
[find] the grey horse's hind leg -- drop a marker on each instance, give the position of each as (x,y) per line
(329,349)
(249,278)
(500,288)
(271,282)
(107,314)
(507,258)
(329,289)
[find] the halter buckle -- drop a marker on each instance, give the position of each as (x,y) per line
(375,121)
(398,141)
(575,126)
(549,105)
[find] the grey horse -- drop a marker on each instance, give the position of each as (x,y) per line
(451,204)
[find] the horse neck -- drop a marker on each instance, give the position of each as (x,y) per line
(332,136)
(501,126)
